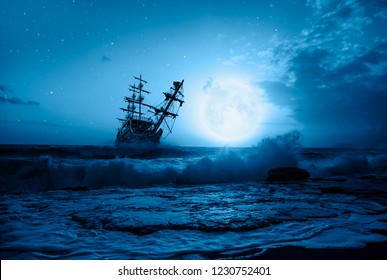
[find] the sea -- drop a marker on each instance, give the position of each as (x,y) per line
(170,202)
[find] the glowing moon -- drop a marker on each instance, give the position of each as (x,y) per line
(231,109)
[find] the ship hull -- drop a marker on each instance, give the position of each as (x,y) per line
(135,138)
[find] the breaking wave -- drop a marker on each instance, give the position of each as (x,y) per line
(83,168)
(147,167)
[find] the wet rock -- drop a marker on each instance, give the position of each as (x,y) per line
(287,174)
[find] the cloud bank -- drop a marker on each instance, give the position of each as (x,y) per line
(13,100)
(335,73)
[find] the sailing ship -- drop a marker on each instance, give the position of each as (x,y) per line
(144,122)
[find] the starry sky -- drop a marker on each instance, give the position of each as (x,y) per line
(251,68)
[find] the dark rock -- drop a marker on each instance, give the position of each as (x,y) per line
(287,174)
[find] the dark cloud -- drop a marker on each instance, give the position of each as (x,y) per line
(347,101)
(332,83)
(5,89)
(208,85)
(308,66)
(280,94)
(105,58)
(17,101)
(13,100)
(376,55)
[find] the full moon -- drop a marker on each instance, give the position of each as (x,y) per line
(232,110)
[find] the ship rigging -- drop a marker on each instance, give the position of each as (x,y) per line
(144,122)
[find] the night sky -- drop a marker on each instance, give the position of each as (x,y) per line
(251,68)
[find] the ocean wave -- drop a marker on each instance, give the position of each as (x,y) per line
(86,168)
(351,163)
(159,166)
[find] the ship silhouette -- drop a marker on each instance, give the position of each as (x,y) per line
(144,122)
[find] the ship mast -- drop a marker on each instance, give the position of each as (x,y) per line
(138,90)
(171,99)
